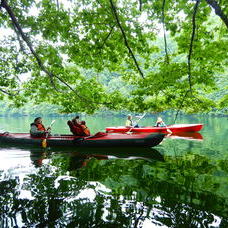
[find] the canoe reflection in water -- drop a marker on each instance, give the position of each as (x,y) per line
(37,157)
(186,135)
(81,158)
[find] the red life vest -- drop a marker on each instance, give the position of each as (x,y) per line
(75,129)
(85,130)
(40,127)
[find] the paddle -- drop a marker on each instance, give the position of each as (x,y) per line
(44,142)
(136,123)
(52,122)
(168,130)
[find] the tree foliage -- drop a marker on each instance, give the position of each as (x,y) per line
(72,50)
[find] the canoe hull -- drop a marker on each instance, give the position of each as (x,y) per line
(111,140)
(175,128)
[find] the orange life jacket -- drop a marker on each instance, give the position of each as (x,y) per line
(86,130)
(40,127)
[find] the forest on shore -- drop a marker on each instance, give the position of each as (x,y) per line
(54,110)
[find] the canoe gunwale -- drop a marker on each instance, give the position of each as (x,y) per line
(151,129)
(149,140)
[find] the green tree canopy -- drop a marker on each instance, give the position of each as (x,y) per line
(130,54)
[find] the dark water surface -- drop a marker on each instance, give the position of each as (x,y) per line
(183,182)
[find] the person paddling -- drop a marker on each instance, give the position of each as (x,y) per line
(130,123)
(37,128)
(160,123)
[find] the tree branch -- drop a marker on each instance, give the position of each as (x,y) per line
(218,11)
(191,43)
(6,92)
(164,30)
(42,67)
(27,41)
(125,38)
(57,4)
(106,38)
(178,110)
(22,48)
(140,5)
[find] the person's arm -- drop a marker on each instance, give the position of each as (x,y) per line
(163,124)
(168,130)
(48,129)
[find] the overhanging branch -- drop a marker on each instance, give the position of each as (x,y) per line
(181,105)
(7,93)
(191,43)
(25,38)
(140,5)
(106,38)
(16,25)
(218,11)
(125,38)
(164,30)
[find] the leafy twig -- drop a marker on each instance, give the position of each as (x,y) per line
(6,92)
(106,38)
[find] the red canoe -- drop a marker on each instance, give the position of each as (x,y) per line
(103,140)
(174,128)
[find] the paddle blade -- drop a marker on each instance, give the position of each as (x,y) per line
(52,122)
(169,131)
(129,132)
(44,143)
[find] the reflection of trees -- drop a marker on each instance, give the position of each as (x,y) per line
(8,202)
(182,191)
(54,203)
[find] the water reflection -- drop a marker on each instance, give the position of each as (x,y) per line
(37,156)
(186,136)
(106,187)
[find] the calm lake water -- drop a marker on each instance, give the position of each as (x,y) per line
(183,182)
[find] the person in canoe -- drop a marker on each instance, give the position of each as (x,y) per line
(130,123)
(160,123)
(37,128)
(78,127)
